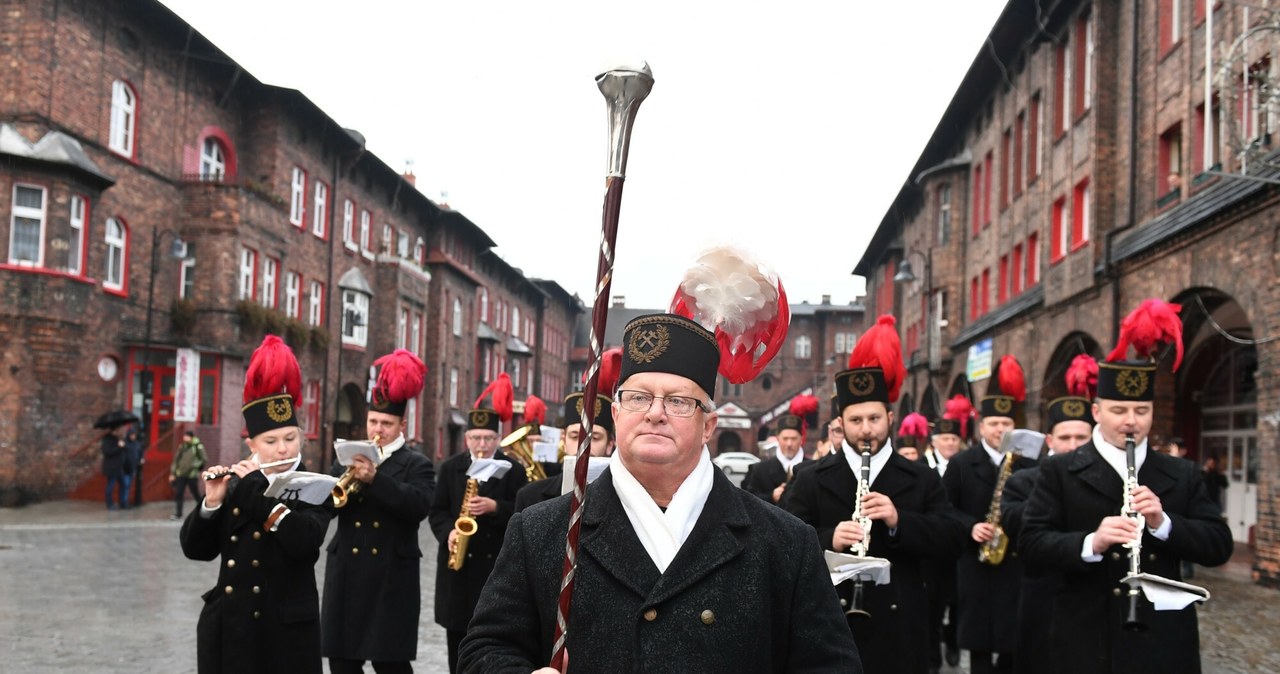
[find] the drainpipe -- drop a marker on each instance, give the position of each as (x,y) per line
(1110,270)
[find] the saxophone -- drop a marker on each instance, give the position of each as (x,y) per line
(992,552)
(465,525)
(860,548)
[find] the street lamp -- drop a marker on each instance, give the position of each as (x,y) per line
(907,275)
(178,250)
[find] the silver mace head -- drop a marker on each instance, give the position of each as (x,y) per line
(624,88)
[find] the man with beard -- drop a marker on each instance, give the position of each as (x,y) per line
(911,518)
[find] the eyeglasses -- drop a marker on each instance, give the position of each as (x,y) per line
(836,429)
(675,406)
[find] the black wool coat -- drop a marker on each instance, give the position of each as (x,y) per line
(747,592)
(262,617)
(895,638)
(372,593)
(986,595)
(763,477)
(1073,493)
(113,455)
(538,491)
(1039,585)
(458,591)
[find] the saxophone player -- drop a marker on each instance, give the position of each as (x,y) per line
(1072,522)
(371,582)
(458,591)
(910,516)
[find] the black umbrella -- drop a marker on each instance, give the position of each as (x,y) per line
(116,419)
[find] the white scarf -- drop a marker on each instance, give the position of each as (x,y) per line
(662,533)
(788,464)
(854,457)
(1115,455)
(387,449)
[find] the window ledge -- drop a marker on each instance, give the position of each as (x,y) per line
(367,254)
(1079,244)
(118,292)
(352,346)
(1169,198)
(48,272)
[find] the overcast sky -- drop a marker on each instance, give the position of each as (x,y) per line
(785,127)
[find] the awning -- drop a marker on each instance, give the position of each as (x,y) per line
(514,345)
(485,332)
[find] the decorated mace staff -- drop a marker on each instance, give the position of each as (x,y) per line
(624,89)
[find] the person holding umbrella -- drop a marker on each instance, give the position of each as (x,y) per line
(115,456)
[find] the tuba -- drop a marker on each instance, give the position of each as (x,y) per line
(348,484)
(517,445)
(465,525)
(992,552)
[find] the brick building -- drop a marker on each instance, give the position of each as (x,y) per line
(127,138)
(1073,175)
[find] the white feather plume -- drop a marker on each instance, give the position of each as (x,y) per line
(730,290)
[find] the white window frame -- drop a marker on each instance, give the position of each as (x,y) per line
(453,387)
(457,317)
(1088,63)
(839,340)
(320,211)
(484,305)
(248,267)
(310,403)
(515,372)
(185,274)
(355,303)
(387,235)
(402,244)
(40,215)
(420,252)
(297,195)
(1065,103)
(213,160)
(292,294)
(1175,25)
(270,280)
(402,328)
(124,118)
(364,230)
(411,419)
(1084,213)
(1033,252)
(316,303)
(349,224)
(803,347)
(117,248)
(77,223)
(515,321)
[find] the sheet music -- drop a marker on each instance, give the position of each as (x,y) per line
(844,567)
(485,469)
(312,488)
(347,450)
(594,468)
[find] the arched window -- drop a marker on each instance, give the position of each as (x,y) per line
(116,239)
(457,317)
(213,160)
(515,322)
(124,109)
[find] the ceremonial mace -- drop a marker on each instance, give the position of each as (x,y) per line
(624,89)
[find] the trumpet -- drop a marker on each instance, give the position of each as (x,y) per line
(465,525)
(348,485)
(517,445)
(227,472)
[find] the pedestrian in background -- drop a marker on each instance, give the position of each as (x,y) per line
(136,452)
(113,467)
(185,471)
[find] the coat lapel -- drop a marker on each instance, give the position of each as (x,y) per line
(710,545)
(894,478)
(608,538)
(1094,471)
(835,476)
(1159,472)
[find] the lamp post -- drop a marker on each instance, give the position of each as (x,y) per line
(906,275)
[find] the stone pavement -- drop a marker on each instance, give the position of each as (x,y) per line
(87,590)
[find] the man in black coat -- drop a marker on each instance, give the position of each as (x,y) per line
(940,574)
(601,445)
(909,513)
(770,477)
(1072,524)
(678,570)
(372,593)
(987,594)
(458,591)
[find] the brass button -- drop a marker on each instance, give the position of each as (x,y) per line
(650,615)
(257,614)
(1115,556)
(227,589)
(708,617)
(375,524)
(257,590)
(235,511)
(844,603)
(357,524)
(235,538)
(231,563)
(355,551)
(893,607)
(1151,557)
(257,535)
(254,563)
(1116,591)
(374,551)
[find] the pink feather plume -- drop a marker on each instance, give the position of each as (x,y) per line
(1082,376)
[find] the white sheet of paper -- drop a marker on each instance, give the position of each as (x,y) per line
(546,452)
(1024,441)
(312,488)
(485,469)
(594,468)
(1166,594)
(347,450)
(843,567)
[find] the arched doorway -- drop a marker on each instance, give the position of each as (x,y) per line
(728,441)
(1054,385)
(1216,411)
(930,406)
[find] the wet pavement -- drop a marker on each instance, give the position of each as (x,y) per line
(87,590)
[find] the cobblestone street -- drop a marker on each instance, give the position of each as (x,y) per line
(86,590)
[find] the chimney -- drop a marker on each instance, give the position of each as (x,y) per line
(826,299)
(619,301)
(408,173)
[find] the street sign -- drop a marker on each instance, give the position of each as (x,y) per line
(979,362)
(186,388)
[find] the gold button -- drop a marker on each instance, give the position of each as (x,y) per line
(1151,557)
(893,607)
(257,535)
(235,539)
(231,563)
(357,524)
(355,551)
(227,589)
(650,615)
(844,603)
(1116,591)
(1115,556)
(708,617)
(254,563)
(374,551)
(257,614)
(375,524)
(257,590)
(235,511)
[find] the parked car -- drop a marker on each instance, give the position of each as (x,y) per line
(735,462)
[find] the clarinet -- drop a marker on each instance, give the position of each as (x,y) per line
(861,547)
(1131,621)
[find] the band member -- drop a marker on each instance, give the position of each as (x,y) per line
(678,569)
(769,478)
(911,518)
(491,506)
(601,445)
(1073,525)
(535,415)
(371,579)
(948,433)
(263,614)
(987,592)
(1070,425)
(913,436)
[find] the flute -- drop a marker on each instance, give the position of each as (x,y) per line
(218,474)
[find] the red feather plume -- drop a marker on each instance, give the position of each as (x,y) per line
(880,347)
(914,425)
(272,369)
(610,369)
(535,411)
(503,397)
(1153,324)
(804,406)
(958,408)
(1012,382)
(401,375)
(1082,376)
